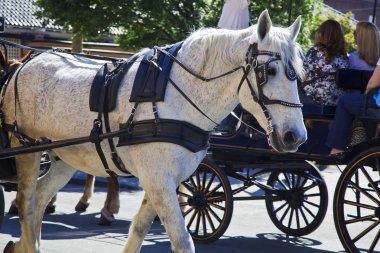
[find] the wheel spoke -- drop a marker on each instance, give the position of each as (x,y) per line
(214,189)
(313,195)
(370,181)
(305,189)
(298,219)
(188,211)
(352,203)
(287,180)
(293,181)
(197,222)
(184,194)
(298,181)
(191,220)
(308,210)
(357,187)
(204,223)
(210,221)
(207,188)
(188,187)
(193,183)
(304,216)
(198,180)
(373,244)
(281,183)
(311,203)
(204,178)
(360,219)
(290,217)
(365,231)
(217,206)
(279,208)
(284,214)
(214,214)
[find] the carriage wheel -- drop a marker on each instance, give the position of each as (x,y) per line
(357,203)
(300,205)
(2,205)
(206,202)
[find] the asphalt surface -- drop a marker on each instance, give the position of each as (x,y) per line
(251,230)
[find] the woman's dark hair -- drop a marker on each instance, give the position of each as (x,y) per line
(329,38)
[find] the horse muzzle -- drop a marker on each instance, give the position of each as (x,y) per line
(289,141)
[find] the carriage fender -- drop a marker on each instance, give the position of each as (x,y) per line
(352,152)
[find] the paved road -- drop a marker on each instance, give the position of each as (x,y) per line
(250,230)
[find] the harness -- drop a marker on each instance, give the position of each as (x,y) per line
(183,132)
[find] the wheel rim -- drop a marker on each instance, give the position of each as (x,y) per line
(206,203)
(301,205)
(357,205)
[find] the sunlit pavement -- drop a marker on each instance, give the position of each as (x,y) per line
(251,230)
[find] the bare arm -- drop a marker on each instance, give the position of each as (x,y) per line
(375,80)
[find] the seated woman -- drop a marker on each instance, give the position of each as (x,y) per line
(365,58)
(322,61)
(347,110)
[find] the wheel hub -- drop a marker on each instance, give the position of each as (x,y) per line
(295,200)
(198,201)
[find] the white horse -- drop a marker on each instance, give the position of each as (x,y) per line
(52,102)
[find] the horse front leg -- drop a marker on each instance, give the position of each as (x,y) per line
(112,203)
(140,226)
(163,198)
(47,188)
(84,201)
(27,173)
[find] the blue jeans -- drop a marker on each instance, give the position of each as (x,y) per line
(348,108)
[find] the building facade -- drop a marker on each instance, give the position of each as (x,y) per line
(22,27)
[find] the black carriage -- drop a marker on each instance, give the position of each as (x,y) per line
(295,193)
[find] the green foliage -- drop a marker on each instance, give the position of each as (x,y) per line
(88,18)
(161,22)
(146,23)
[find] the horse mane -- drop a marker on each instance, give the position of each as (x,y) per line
(207,42)
(278,41)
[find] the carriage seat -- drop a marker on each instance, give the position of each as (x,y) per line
(353,79)
(313,110)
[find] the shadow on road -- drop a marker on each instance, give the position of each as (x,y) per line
(61,226)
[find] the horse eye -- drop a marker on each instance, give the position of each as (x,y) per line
(271,71)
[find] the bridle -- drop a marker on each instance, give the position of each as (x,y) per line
(261,72)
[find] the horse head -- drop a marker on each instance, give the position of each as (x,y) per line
(273,64)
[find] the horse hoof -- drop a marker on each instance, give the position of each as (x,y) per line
(50,209)
(104,221)
(13,210)
(9,248)
(81,207)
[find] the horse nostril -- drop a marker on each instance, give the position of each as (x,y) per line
(290,137)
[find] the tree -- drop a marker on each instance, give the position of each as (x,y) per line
(85,18)
(161,22)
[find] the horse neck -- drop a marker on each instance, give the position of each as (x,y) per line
(219,97)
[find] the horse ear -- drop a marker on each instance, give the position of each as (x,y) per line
(295,28)
(264,24)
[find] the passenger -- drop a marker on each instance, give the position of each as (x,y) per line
(348,108)
(365,58)
(322,61)
(367,40)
